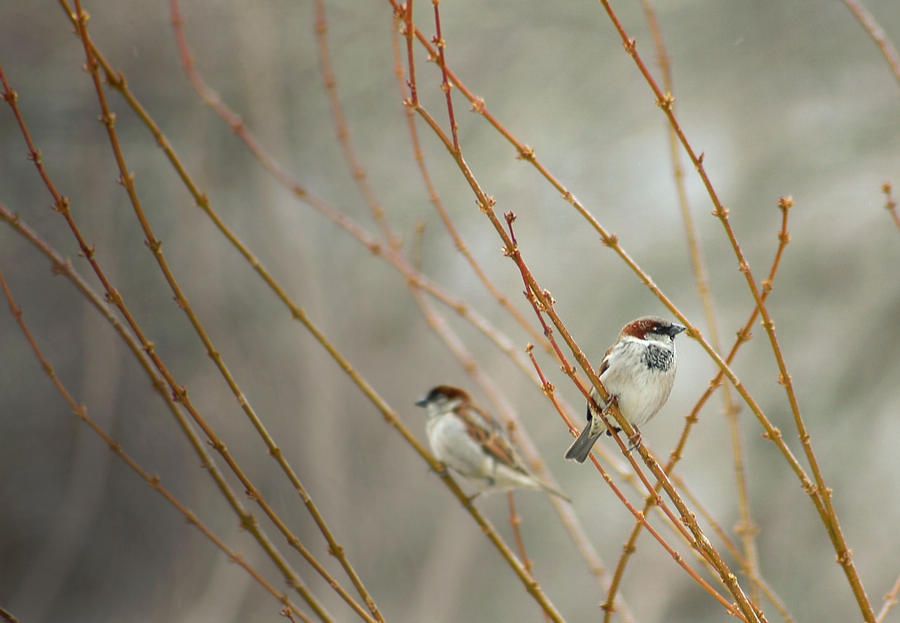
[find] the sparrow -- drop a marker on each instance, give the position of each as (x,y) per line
(638,372)
(467,439)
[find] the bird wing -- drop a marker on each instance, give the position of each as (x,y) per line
(604,366)
(489,436)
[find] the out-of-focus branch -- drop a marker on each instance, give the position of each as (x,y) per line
(746,528)
(436,199)
(889,204)
(871,26)
(821,495)
(81,412)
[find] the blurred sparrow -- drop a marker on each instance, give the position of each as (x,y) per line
(638,372)
(464,437)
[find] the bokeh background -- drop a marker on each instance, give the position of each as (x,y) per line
(787,98)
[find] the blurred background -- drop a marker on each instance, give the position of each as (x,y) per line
(788,98)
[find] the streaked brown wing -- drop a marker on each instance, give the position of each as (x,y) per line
(604,365)
(487,433)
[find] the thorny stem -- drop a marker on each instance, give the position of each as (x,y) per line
(742,336)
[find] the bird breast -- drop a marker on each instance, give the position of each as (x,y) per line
(642,376)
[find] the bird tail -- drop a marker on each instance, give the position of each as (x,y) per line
(554,491)
(581,447)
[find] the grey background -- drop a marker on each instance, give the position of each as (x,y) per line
(783,98)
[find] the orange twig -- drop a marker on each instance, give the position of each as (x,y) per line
(889,204)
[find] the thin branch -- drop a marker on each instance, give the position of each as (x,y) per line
(889,204)
(611,240)
(407,12)
(340,124)
(441,45)
(742,336)
(7,616)
(436,199)
(81,412)
(212,99)
(871,26)
(414,278)
(515,521)
(890,600)
(180,395)
(546,305)
(821,494)
(747,529)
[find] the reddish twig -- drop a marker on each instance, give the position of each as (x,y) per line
(889,204)
(746,528)
(441,45)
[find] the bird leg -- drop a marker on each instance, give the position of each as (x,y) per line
(634,441)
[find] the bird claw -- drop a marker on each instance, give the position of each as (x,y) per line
(634,441)
(440,471)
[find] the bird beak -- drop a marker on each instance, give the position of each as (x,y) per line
(421,402)
(676,329)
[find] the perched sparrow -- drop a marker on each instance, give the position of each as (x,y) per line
(467,439)
(638,372)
